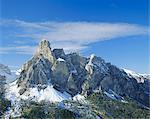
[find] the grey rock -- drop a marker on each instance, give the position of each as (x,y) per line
(44,49)
(37,72)
(60,74)
(76,74)
(2,84)
(72,84)
(59,53)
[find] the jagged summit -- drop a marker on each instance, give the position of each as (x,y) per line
(53,70)
(44,49)
(44,46)
(44,43)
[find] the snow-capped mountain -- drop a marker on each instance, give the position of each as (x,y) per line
(4,70)
(10,75)
(52,75)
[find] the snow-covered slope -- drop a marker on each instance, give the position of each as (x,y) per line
(139,77)
(48,94)
(131,73)
(79,98)
(14,74)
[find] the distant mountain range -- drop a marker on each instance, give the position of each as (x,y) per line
(53,76)
(10,75)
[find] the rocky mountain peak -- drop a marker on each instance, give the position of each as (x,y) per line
(53,70)
(44,49)
(44,44)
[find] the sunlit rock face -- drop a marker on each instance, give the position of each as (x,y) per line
(74,74)
(44,49)
(37,71)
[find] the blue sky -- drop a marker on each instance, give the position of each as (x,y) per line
(115,30)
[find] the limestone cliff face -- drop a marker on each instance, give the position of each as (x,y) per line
(37,71)
(60,74)
(76,74)
(44,49)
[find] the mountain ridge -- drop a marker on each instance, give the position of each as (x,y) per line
(72,74)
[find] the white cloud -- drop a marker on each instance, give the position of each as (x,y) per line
(72,36)
(29,50)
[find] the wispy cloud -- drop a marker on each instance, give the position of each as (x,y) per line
(72,36)
(29,50)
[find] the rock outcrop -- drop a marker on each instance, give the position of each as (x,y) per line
(44,49)
(75,74)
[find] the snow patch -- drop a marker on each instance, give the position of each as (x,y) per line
(131,73)
(111,94)
(60,60)
(137,76)
(79,98)
(91,59)
(89,66)
(16,72)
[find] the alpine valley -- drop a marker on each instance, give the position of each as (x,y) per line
(53,84)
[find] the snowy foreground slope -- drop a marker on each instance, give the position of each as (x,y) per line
(48,94)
